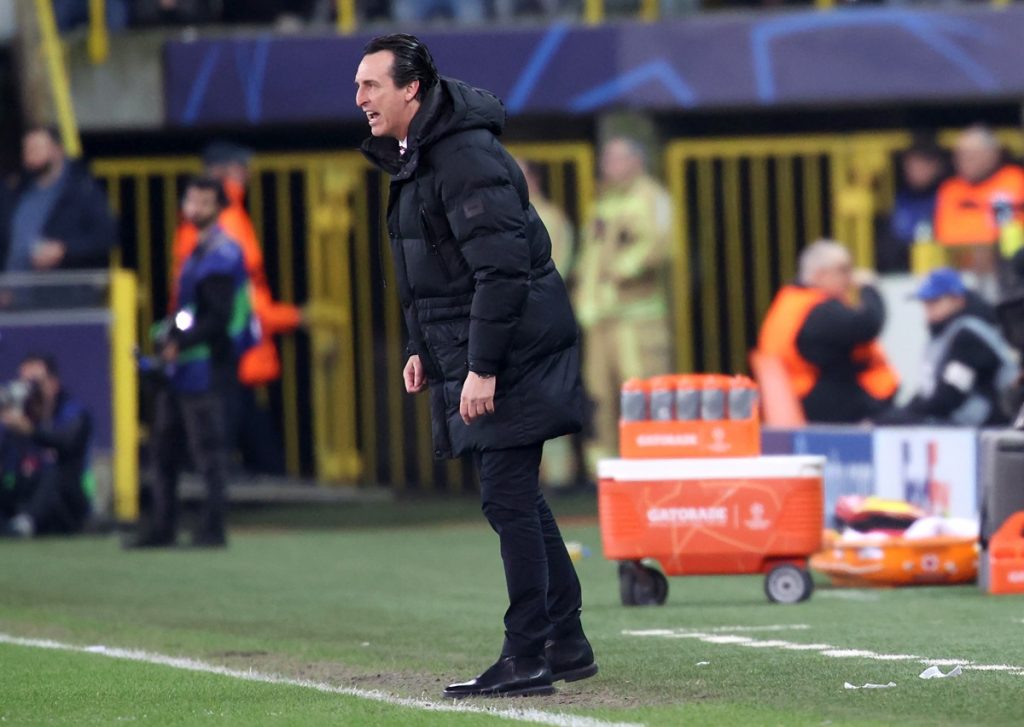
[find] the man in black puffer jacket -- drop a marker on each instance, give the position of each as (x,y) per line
(491,334)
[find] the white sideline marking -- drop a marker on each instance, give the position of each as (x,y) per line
(534,716)
(844,595)
(823,649)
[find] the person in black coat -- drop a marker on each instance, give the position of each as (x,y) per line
(492,335)
(58,218)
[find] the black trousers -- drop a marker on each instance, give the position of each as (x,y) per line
(195,421)
(543,589)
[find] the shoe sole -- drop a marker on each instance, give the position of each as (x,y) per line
(575,675)
(537,691)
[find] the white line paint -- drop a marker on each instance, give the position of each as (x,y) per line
(829,650)
(515,714)
(847,595)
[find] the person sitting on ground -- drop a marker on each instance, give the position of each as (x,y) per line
(968,365)
(44,455)
(828,345)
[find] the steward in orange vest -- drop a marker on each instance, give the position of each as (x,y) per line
(261,364)
(829,349)
(968,213)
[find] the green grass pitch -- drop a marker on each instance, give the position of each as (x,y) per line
(382,598)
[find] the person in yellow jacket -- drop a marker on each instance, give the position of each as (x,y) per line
(621,291)
(559,466)
(563,244)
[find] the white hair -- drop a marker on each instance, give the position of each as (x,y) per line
(820,255)
(982,133)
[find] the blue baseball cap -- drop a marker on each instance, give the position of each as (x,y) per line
(941,282)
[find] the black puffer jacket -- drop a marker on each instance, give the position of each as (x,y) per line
(475,277)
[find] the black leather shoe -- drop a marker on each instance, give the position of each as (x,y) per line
(570,659)
(511,676)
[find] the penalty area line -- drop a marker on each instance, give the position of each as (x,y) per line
(515,714)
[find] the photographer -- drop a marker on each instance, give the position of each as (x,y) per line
(44,453)
(199,349)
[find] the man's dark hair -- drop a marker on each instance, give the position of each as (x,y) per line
(208,184)
(46,359)
(413,61)
(51,131)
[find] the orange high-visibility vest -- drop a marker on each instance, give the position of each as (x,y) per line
(964,212)
(261,363)
(782,324)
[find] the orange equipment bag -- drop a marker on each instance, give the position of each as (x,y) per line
(899,561)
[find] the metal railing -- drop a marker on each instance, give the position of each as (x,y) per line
(57,77)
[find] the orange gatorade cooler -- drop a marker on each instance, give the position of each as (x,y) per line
(721,516)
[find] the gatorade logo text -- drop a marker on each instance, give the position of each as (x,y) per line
(1014,576)
(666,440)
(688,516)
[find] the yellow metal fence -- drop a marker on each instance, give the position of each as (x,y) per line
(320,218)
(744,207)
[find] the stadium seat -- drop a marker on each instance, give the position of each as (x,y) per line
(779,405)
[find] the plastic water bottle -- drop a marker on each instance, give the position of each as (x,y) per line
(688,395)
(633,400)
(712,398)
(742,397)
(663,398)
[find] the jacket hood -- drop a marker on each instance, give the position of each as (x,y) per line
(449,107)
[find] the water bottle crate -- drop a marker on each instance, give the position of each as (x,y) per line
(698,438)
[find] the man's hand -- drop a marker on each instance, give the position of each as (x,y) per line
(47,254)
(415,381)
(169,353)
(863,277)
(14,420)
(477,397)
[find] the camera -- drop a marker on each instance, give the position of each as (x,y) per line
(20,395)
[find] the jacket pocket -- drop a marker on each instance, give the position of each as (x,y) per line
(427,230)
(448,341)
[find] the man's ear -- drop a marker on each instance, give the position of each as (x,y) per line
(411,90)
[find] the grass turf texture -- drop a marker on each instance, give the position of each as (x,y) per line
(410,607)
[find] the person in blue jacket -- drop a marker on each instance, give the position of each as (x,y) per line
(199,347)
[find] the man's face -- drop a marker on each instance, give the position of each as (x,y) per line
(34,373)
(939,309)
(836,279)
(921,171)
(620,163)
(200,207)
(39,152)
(388,108)
(975,159)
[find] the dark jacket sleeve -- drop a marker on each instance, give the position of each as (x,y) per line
(83,222)
(488,219)
(215,295)
(833,326)
(70,439)
(968,354)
